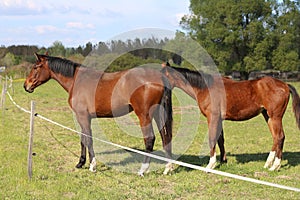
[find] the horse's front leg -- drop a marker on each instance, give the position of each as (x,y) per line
(93,163)
(86,141)
(82,158)
(214,132)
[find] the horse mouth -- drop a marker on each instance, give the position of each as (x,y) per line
(28,88)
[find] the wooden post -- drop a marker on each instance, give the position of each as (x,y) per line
(31,139)
(3,93)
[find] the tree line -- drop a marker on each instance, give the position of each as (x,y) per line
(143,49)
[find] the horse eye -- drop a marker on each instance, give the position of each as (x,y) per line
(36,66)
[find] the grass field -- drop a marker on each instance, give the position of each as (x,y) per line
(57,152)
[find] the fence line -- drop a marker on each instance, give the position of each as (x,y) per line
(192,166)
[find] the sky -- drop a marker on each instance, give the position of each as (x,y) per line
(76,22)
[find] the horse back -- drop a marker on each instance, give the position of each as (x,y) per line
(246,99)
(112,94)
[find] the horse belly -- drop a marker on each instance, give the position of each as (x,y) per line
(237,113)
(112,111)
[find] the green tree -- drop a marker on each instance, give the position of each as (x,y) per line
(88,48)
(57,49)
(286,56)
(242,35)
(9,60)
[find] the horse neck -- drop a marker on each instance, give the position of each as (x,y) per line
(66,82)
(187,88)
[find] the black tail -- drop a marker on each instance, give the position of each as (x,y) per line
(164,117)
(296,103)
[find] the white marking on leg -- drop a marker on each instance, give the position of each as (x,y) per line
(144,169)
(169,168)
(276,166)
(212,162)
(270,159)
(93,165)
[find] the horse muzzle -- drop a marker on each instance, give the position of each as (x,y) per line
(28,87)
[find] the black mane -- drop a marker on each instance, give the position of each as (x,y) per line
(194,78)
(63,66)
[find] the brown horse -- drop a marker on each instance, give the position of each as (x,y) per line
(95,93)
(221,99)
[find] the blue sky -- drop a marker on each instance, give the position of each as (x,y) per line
(76,22)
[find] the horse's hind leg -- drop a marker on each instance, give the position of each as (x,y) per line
(275,126)
(214,132)
(165,136)
(276,129)
(149,139)
(271,157)
(223,158)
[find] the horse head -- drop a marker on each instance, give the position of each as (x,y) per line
(39,74)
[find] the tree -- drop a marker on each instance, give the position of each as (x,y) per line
(57,49)
(286,56)
(88,48)
(102,48)
(245,35)
(8,60)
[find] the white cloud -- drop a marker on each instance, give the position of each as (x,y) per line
(42,29)
(80,25)
(42,21)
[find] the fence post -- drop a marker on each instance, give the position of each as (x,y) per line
(32,114)
(4,88)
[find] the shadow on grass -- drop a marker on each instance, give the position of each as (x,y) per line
(293,158)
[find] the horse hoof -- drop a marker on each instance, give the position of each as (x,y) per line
(144,169)
(224,161)
(141,174)
(275,168)
(93,165)
(276,165)
(211,165)
(169,168)
(79,165)
(93,170)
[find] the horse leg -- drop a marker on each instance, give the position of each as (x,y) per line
(86,142)
(165,136)
(214,131)
(149,139)
(275,126)
(271,156)
(223,158)
(82,158)
(276,129)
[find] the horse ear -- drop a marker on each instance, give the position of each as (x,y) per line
(47,54)
(37,56)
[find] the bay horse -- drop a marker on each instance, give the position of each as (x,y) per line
(221,98)
(97,94)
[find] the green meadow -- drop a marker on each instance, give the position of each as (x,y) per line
(56,152)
